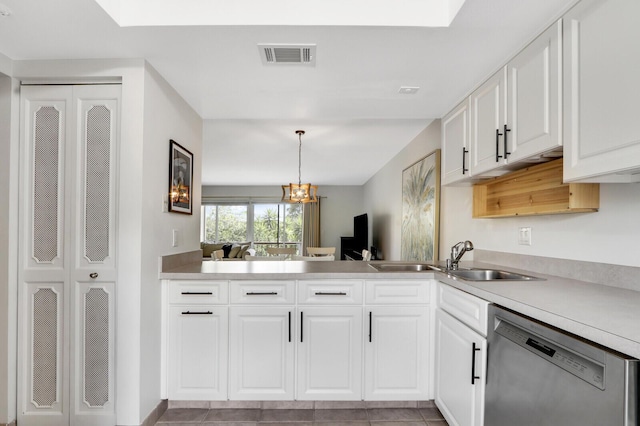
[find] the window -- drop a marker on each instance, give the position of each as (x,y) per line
(265,224)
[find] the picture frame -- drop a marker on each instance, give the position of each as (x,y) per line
(421,209)
(180,178)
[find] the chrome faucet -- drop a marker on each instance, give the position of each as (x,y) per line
(456,253)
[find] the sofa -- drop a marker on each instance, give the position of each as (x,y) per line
(232,251)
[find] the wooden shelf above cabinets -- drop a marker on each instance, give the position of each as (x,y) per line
(535,190)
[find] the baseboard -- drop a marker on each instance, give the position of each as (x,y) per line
(157,412)
(292,405)
(13,423)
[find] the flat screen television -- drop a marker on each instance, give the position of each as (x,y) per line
(361,232)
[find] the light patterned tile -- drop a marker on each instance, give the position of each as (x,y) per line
(394,414)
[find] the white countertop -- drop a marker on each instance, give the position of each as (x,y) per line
(606,315)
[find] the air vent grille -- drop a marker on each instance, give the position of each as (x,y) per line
(292,54)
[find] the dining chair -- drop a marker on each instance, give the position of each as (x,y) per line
(321,251)
(285,252)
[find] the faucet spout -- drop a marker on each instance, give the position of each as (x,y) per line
(457,251)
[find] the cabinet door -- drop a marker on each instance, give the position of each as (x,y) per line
(601,91)
(197,352)
(460,370)
(396,353)
(261,364)
(534,101)
(488,113)
(330,353)
(455,145)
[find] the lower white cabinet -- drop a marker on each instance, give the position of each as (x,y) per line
(330,353)
(460,357)
(396,353)
(197,352)
(261,347)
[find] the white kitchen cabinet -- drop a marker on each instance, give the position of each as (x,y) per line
(488,107)
(197,354)
(330,353)
(460,356)
(67,254)
(534,104)
(601,91)
(397,353)
(262,342)
(455,145)
(513,117)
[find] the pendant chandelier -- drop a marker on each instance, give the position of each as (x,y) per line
(300,192)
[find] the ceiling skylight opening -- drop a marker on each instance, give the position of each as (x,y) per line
(385,13)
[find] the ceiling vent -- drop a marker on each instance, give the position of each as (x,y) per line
(292,54)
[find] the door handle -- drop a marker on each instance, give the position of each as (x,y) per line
(506,153)
(301,326)
(464,167)
(498,134)
(370,325)
(473,364)
(289,326)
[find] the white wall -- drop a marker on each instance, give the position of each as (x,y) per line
(383,193)
(609,236)
(8,242)
(338,206)
(166,116)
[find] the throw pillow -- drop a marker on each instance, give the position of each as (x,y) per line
(243,250)
(227,248)
(234,251)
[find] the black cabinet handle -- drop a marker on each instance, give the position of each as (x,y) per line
(301,325)
(197,313)
(473,364)
(262,293)
(326,293)
(289,326)
(506,153)
(498,134)
(464,167)
(370,325)
(197,293)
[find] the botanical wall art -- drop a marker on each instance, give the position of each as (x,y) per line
(180,178)
(421,209)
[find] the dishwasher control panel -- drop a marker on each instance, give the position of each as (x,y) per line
(579,365)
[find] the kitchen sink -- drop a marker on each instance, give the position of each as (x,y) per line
(404,267)
(490,275)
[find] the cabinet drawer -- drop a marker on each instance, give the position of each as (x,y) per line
(334,292)
(466,307)
(198,292)
(394,292)
(262,292)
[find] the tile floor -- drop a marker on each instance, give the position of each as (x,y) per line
(302,417)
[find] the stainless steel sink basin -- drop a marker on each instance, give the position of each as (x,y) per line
(404,267)
(490,275)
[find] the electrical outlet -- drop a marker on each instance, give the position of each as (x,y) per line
(524,236)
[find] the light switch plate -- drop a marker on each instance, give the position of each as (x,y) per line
(524,236)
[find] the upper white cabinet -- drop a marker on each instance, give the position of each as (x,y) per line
(513,116)
(488,112)
(601,92)
(534,103)
(455,145)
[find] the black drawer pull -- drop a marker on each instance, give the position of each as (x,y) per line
(197,313)
(370,325)
(301,326)
(289,326)
(327,293)
(197,293)
(262,293)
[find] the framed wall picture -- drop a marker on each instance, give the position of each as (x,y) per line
(180,178)
(421,209)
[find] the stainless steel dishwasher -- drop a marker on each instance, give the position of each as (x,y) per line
(538,375)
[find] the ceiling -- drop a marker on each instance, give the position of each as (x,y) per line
(349,102)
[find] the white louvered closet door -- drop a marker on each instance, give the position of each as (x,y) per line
(67,255)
